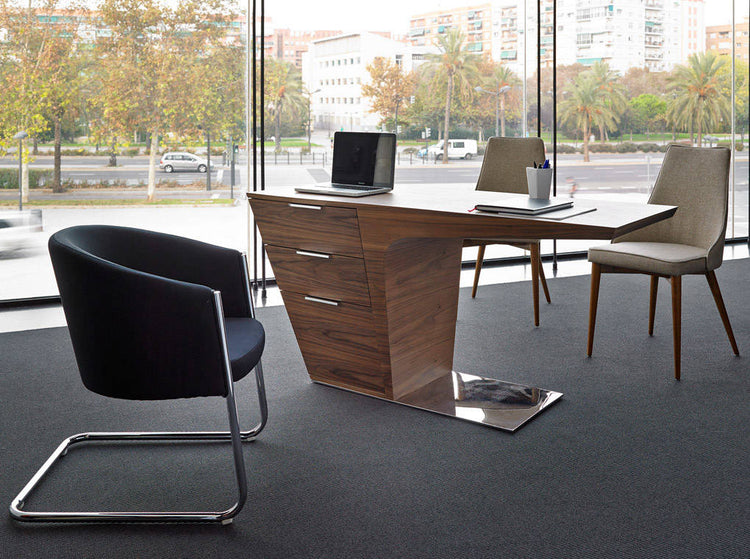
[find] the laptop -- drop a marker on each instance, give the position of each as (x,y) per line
(523,205)
(364,163)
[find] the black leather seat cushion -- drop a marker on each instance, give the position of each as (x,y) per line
(245,341)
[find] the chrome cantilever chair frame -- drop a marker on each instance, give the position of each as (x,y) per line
(235,435)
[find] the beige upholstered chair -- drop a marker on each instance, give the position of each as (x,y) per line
(691,242)
(504,170)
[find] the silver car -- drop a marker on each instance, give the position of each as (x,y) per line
(182,161)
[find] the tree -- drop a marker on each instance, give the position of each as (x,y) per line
(389,89)
(584,105)
(500,82)
(284,91)
(144,60)
(700,102)
(613,96)
(39,67)
(648,111)
(453,67)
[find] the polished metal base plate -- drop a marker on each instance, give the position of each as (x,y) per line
(494,403)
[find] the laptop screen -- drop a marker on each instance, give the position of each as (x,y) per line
(363,158)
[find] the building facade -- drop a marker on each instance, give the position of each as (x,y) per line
(334,70)
(719,40)
(653,34)
(474,21)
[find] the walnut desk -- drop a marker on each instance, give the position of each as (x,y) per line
(371,288)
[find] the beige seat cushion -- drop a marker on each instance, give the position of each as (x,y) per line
(667,259)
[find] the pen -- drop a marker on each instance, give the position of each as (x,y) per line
(546,164)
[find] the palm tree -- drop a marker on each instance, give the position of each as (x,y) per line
(613,91)
(453,67)
(499,83)
(284,91)
(700,102)
(585,105)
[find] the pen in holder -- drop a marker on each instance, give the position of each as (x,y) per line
(539,181)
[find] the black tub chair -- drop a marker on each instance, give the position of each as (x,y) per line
(155,317)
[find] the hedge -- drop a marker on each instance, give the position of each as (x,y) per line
(38,178)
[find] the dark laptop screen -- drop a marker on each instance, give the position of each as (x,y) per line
(363,158)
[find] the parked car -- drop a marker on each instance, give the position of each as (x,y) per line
(457,149)
(182,161)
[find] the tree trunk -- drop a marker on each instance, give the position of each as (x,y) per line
(447,118)
(57,160)
(277,129)
(586,134)
(113,153)
(24,173)
(35,143)
(152,165)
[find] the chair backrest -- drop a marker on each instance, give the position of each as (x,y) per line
(505,162)
(697,181)
(136,334)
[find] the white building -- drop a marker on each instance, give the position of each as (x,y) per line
(654,34)
(335,68)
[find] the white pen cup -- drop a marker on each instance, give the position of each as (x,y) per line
(540,182)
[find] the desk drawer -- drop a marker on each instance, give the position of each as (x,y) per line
(310,227)
(338,343)
(330,276)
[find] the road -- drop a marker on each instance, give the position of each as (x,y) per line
(615,173)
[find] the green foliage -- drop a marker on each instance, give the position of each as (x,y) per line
(38,178)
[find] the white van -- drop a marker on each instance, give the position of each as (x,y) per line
(457,149)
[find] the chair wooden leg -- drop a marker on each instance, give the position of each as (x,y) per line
(676,282)
(596,274)
(534,249)
(716,292)
(544,280)
(478,270)
(652,304)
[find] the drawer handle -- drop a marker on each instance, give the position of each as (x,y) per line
(324,301)
(305,206)
(315,254)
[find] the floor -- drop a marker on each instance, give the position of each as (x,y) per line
(52,316)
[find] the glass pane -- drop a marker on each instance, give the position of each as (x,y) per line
(632,81)
(102,95)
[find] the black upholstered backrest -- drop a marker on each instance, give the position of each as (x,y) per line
(136,333)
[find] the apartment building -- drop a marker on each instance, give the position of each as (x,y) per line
(289,45)
(474,21)
(335,68)
(719,39)
(653,34)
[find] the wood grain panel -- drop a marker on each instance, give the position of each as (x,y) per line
(329,276)
(337,344)
(305,226)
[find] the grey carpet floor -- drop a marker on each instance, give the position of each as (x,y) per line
(629,463)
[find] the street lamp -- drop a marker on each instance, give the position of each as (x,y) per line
(21,136)
(499,106)
(309,117)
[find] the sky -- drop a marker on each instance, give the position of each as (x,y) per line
(393,15)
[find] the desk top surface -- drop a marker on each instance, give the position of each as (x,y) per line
(460,200)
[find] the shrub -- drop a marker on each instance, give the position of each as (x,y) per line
(38,178)
(647,147)
(410,150)
(566,148)
(626,147)
(738,145)
(602,148)
(131,152)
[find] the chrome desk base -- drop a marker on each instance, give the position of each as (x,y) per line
(494,403)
